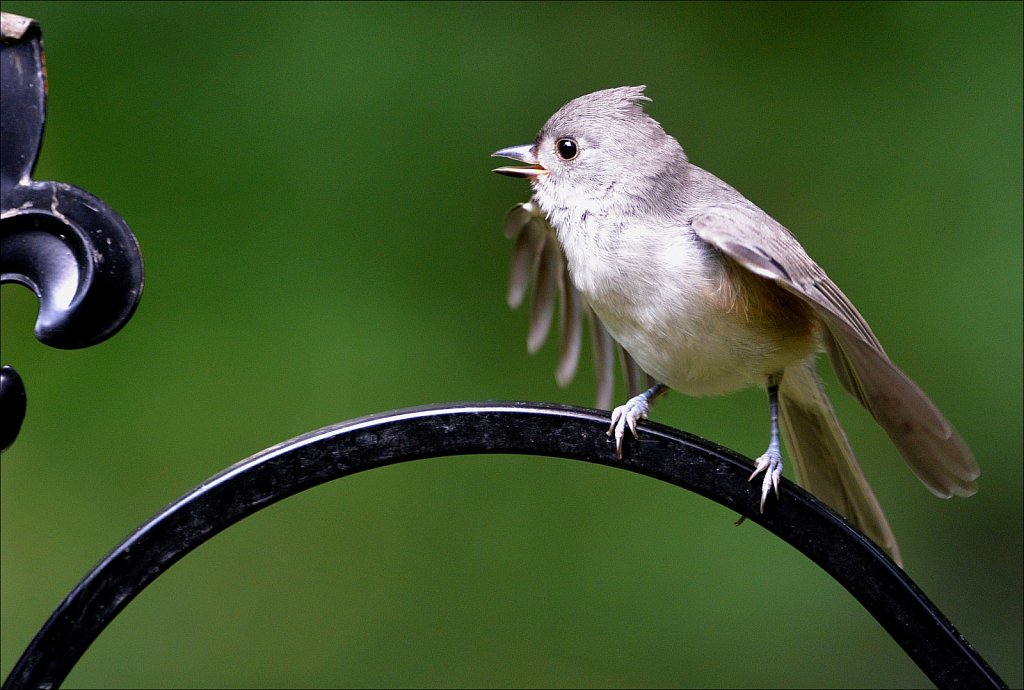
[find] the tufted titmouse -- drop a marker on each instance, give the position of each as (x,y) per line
(707,294)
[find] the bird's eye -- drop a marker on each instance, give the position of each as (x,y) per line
(567,149)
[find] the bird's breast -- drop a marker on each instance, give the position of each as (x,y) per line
(692,318)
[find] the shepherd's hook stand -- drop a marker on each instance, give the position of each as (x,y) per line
(488,428)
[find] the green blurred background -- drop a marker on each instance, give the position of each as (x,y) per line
(311,187)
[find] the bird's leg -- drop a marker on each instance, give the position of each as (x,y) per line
(771,461)
(632,412)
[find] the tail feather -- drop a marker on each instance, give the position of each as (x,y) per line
(824,461)
(930,445)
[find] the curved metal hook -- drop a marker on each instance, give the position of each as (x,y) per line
(77,255)
(477,428)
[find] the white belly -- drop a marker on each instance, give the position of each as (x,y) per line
(694,352)
(663,310)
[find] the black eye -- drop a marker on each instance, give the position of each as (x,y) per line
(567,149)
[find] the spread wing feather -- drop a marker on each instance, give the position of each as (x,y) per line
(538,261)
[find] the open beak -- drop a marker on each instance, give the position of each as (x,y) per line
(523,154)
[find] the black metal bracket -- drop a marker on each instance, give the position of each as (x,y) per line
(72,250)
(488,428)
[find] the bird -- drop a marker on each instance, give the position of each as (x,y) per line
(704,293)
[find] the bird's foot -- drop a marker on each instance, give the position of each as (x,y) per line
(625,416)
(771,464)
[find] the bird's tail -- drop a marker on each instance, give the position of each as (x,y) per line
(926,440)
(825,464)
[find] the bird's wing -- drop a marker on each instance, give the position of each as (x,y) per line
(537,260)
(932,448)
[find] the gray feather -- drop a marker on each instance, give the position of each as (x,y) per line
(571,334)
(824,462)
(545,291)
(604,361)
(530,240)
(538,261)
(632,374)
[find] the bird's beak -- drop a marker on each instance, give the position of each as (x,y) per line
(523,154)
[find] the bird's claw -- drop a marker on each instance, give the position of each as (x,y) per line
(771,464)
(625,416)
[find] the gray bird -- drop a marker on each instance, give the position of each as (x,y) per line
(706,294)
